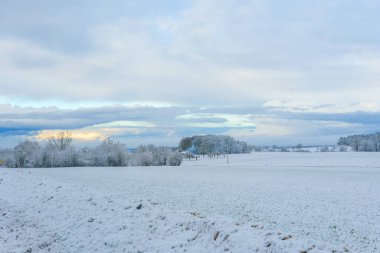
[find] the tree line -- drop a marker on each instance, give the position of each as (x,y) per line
(59,151)
(213,144)
(362,142)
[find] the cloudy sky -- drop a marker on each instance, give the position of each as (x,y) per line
(264,71)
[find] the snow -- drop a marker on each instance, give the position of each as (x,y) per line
(259,202)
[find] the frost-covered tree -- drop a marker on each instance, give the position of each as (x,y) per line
(111,153)
(58,152)
(86,156)
(362,142)
(174,159)
(185,143)
(26,154)
(62,141)
(141,158)
(151,155)
(50,156)
(213,144)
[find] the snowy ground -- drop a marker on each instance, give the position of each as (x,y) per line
(262,202)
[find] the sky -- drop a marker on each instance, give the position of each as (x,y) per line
(263,71)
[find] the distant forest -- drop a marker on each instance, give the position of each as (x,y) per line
(362,142)
(213,144)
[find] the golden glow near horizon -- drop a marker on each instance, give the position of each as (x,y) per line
(82,135)
(100,131)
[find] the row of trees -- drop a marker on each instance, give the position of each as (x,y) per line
(362,142)
(274,148)
(58,151)
(151,155)
(213,144)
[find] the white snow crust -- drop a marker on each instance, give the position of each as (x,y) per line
(259,202)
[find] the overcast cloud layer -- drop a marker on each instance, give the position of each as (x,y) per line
(268,72)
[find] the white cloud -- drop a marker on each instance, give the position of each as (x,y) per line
(124,123)
(228,120)
(291,57)
(310,107)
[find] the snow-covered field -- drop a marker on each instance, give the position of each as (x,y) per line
(261,202)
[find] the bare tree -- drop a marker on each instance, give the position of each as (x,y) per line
(62,141)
